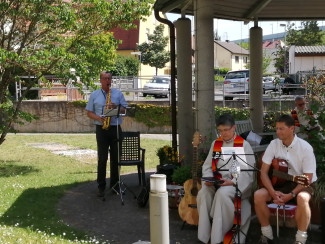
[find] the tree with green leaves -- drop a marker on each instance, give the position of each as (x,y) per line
(38,38)
(244,45)
(154,51)
(281,60)
(308,35)
(266,58)
(126,66)
(265,63)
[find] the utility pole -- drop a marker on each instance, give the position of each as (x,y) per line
(285,48)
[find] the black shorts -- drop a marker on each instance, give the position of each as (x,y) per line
(288,186)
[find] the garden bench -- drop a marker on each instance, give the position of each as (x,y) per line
(243,126)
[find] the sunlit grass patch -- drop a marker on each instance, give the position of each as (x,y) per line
(32,181)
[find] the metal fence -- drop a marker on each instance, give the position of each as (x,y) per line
(133,88)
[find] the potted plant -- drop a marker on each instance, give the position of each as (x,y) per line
(168,161)
(182,174)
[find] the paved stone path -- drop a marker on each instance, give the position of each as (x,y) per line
(127,224)
(115,223)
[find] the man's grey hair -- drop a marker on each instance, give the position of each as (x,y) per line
(225,119)
(299,98)
(104,73)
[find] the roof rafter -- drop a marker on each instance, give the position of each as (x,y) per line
(256,8)
(175,4)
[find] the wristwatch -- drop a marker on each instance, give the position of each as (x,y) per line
(293,194)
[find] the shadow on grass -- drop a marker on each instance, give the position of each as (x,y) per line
(11,169)
(35,210)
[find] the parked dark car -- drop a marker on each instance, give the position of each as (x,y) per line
(290,87)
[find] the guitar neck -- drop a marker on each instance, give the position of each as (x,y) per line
(283,175)
(194,165)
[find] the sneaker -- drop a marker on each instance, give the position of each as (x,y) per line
(265,240)
(101,193)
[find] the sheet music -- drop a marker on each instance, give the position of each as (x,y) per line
(228,152)
(109,111)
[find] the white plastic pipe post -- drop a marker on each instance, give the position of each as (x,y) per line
(159,217)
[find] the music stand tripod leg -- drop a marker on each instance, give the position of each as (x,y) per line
(120,191)
(237,229)
(119,183)
(128,188)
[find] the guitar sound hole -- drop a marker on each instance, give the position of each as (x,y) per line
(194,191)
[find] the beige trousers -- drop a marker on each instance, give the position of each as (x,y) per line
(219,207)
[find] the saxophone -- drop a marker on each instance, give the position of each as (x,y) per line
(107,103)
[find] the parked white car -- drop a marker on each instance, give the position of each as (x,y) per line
(269,84)
(158,86)
(236,82)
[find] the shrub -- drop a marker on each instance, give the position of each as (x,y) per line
(182,174)
(219,78)
(167,155)
(316,93)
(238,113)
(152,115)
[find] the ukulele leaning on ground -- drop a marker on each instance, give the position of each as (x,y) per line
(187,208)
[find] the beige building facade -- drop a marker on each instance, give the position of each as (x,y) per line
(132,37)
(230,55)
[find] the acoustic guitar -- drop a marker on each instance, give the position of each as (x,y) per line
(278,174)
(187,208)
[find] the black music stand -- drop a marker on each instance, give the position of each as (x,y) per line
(115,112)
(237,229)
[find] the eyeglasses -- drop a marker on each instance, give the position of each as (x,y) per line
(224,130)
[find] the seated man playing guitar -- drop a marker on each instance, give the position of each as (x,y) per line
(301,161)
(217,203)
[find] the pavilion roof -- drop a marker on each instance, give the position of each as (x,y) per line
(249,10)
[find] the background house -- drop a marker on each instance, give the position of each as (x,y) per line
(306,58)
(230,55)
(130,38)
(269,50)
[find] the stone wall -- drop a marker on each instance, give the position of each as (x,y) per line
(64,117)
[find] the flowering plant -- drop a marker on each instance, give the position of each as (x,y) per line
(168,155)
(315,86)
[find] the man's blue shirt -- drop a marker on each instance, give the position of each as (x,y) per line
(97,101)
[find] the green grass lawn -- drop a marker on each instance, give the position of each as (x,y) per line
(32,180)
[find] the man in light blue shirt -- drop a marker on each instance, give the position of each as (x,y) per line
(106,138)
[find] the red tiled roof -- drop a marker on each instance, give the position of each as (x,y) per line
(271,44)
(129,37)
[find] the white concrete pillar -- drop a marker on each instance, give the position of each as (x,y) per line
(204,69)
(159,215)
(184,88)
(255,78)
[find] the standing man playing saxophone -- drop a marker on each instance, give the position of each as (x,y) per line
(106,131)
